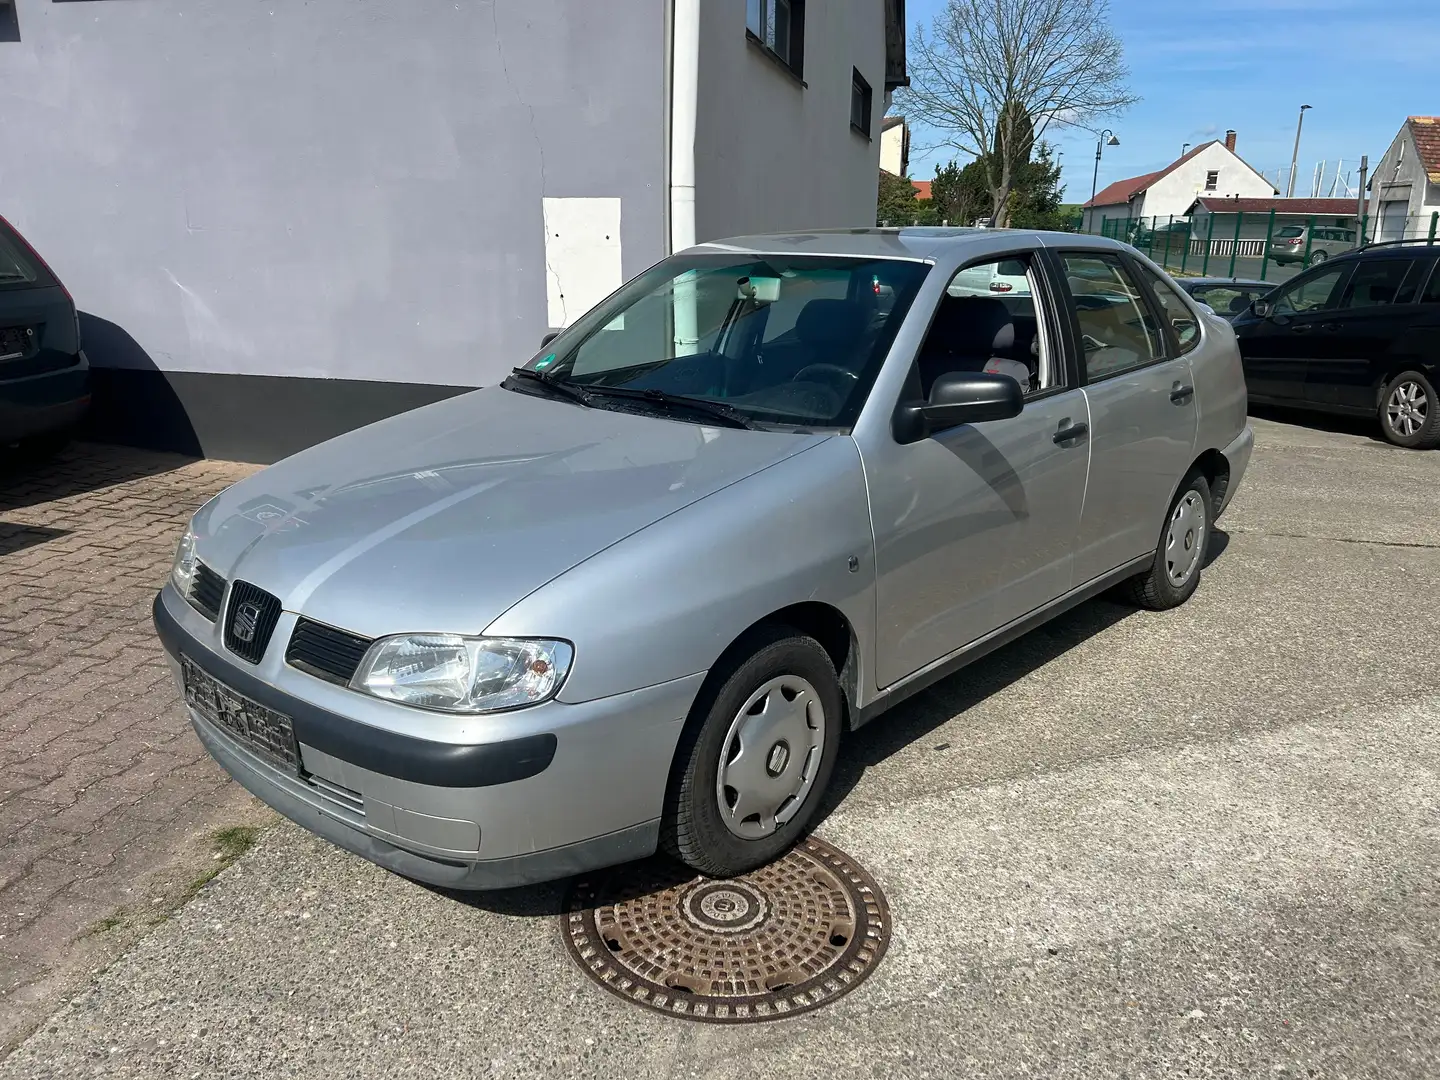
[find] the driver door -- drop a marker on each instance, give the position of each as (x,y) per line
(1278,351)
(975,525)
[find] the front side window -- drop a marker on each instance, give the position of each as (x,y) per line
(1383,281)
(988,321)
(779,25)
(1117,331)
(1309,293)
(1177,311)
(778,340)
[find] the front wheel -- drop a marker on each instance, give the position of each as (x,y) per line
(1180,555)
(1410,412)
(756,756)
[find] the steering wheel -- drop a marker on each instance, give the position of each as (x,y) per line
(828,370)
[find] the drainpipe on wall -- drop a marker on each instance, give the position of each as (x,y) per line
(684,96)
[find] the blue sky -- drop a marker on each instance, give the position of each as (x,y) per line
(1250,65)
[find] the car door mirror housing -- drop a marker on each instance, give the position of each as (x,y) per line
(959,397)
(1262,308)
(549,336)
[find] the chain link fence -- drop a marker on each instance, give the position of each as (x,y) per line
(1270,246)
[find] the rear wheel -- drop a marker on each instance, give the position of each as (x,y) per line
(1318,257)
(1410,412)
(756,756)
(1180,556)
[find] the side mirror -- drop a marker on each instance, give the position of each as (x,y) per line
(1262,308)
(959,397)
(549,337)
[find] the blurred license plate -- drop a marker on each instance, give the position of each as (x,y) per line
(267,733)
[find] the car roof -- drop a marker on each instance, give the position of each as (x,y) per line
(1225,281)
(915,242)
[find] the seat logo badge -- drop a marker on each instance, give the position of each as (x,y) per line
(247,619)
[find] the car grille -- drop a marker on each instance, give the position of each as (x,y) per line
(207,591)
(250,621)
(325,652)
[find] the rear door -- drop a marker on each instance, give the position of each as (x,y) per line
(1141,398)
(1277,349)
(38,331)
(1355,339)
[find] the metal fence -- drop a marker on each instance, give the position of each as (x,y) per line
(1271,246)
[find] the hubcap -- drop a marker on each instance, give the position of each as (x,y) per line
(1185,538)
(1408,408)
(770,757)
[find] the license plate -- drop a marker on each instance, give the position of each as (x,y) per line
(267,733)
(15,342)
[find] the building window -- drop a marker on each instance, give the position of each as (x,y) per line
(779,26)
(861,100)
(1212,180)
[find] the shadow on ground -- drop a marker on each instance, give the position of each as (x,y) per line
(1363,426)
(29,477)
(908,723)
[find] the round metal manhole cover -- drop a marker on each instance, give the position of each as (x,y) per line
(782,940)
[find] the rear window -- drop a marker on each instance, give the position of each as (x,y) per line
(1291,230)
(17,266)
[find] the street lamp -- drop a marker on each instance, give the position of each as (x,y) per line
(1184,149)
(1295,156)
(1100,145)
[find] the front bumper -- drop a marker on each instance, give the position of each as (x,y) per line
(570,787)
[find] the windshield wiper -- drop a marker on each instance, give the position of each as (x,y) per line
(551,385)
(714,409)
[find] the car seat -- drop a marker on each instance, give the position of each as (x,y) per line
(971,333)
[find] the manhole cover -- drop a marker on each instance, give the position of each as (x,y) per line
(782,940)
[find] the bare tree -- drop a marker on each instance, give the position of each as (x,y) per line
(990,77)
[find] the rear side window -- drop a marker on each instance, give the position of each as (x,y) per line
(1432,291)
(1117,330)
(1177,312)
(1382,281)
(17,267)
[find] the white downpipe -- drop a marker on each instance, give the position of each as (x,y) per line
(684,99)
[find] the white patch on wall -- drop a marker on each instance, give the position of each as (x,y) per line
(582,255)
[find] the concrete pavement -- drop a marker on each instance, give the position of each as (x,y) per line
(1201,843)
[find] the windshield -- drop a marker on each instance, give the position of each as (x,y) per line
(785,340)
(1289,231)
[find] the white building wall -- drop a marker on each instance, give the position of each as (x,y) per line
(773,153)
(892,150)
(1407,184)
(1175,193)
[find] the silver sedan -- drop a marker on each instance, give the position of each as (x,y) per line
(637,595)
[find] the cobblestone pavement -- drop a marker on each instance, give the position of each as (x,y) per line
(107,799)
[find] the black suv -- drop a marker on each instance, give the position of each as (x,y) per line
(1359,334)
(44,377)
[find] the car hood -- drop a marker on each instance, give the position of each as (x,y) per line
(442,518)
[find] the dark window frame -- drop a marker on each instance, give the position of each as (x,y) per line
(1212,180)
(794,64)
(862,101)
(1151,282)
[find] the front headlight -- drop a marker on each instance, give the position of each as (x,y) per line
(182,570)
(462,674)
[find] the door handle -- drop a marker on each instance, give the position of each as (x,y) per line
(1300,328)
(1330,327)
(1180,393)
(1070,432)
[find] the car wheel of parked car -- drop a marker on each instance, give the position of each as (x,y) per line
(1317,257)
(756,755)
(1410,412)
(1180,555)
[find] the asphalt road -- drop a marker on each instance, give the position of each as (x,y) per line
(1202,843)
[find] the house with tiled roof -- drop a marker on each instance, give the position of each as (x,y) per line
(1405,186)
(1212,169)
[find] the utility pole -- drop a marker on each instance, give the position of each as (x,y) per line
(1360,208)
(1295,156)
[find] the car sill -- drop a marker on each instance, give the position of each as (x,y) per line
(949,665)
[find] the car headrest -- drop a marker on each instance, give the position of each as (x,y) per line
(974,326)
(831,322)
(1239,303)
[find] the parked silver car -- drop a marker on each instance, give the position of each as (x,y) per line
(1308,244)
(636,595)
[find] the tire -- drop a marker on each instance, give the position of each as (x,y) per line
(705,826)
(1159,589)
(1318,257)
(1410,411)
